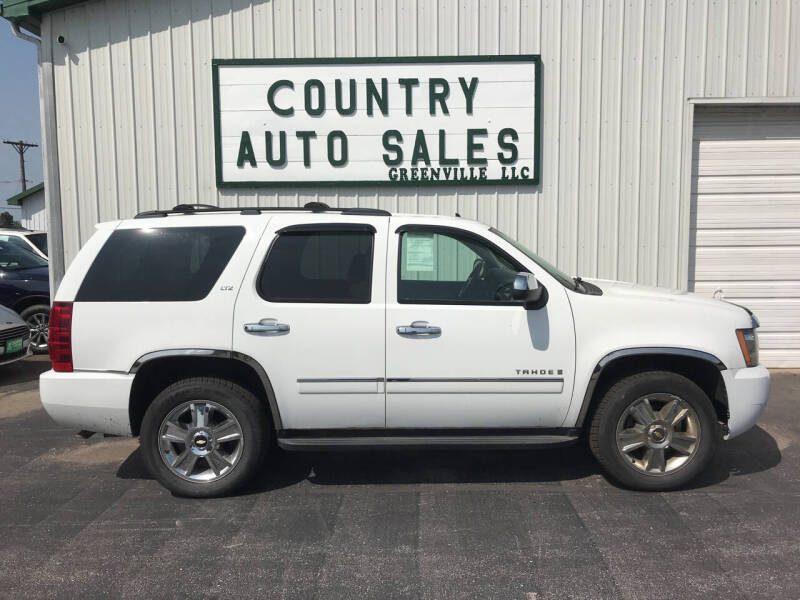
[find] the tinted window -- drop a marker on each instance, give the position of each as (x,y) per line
(319,266)
(40,241)
(449,268)
(15,254)
(159,265)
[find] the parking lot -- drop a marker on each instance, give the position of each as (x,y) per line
(80,518)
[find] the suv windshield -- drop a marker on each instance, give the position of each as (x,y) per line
(39,240)
(16,257)
(562,277)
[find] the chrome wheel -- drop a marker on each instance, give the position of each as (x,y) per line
(658,433)
(200,441)
(37,322)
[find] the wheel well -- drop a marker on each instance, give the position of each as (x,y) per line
(702,372)
(157,374)
(31,301)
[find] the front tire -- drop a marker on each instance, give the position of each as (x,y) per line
(654,431)
(204,437)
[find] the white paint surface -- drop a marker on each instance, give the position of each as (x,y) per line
(32,212)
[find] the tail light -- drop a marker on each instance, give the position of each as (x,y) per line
(60,336)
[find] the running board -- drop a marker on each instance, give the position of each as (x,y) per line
(423,441)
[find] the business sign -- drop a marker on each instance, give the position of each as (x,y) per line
(377,121)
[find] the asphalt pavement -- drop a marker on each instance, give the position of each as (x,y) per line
(81,519)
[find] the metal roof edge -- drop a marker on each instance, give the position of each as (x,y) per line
(28,13)
(16,199)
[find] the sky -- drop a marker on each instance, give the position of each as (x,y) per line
(19,113)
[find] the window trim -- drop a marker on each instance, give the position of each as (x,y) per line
(319,228)
(457,232)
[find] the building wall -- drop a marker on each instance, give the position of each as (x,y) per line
(33,215)
(135,127)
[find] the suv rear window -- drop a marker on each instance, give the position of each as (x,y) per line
(332,266)
(159,264)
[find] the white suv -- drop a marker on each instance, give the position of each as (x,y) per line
(321,328)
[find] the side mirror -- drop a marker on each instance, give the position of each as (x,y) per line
(529,291)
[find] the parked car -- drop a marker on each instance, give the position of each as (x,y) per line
(25,288)
(35,241)
(14,337)
(212,332)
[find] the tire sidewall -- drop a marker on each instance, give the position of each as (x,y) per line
(240,402)
(620,397)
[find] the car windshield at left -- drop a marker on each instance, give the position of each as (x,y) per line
(14,257)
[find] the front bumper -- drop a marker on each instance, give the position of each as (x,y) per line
(88,400)
(748,391)
(10,358)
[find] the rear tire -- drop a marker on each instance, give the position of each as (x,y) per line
(654,431)
(37,317)
(204,437)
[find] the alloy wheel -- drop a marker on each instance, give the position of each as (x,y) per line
(38,322)
(658,433)
(200,441)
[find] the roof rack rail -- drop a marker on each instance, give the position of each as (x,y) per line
(314,207)
(192,207)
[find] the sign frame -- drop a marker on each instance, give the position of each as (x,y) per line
(535,180)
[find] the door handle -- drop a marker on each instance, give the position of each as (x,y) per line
(419,328)
(266,326)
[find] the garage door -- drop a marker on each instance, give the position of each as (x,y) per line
(746,218)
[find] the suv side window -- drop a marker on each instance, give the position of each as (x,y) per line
(319,263)
(452,267)
(39,240)
(167,264)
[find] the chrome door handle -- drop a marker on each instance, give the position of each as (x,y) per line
(419,328)
(266,326)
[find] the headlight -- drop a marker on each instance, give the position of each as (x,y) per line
(748,342)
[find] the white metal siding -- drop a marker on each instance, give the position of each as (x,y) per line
(33,215)
(135,126)
(746,189)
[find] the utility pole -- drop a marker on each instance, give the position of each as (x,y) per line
(21,147)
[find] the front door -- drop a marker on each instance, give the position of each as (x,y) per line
(461,353)
(311,311)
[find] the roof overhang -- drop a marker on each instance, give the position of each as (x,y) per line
(28,13)
(15,200)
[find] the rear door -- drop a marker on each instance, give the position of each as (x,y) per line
(312,312)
